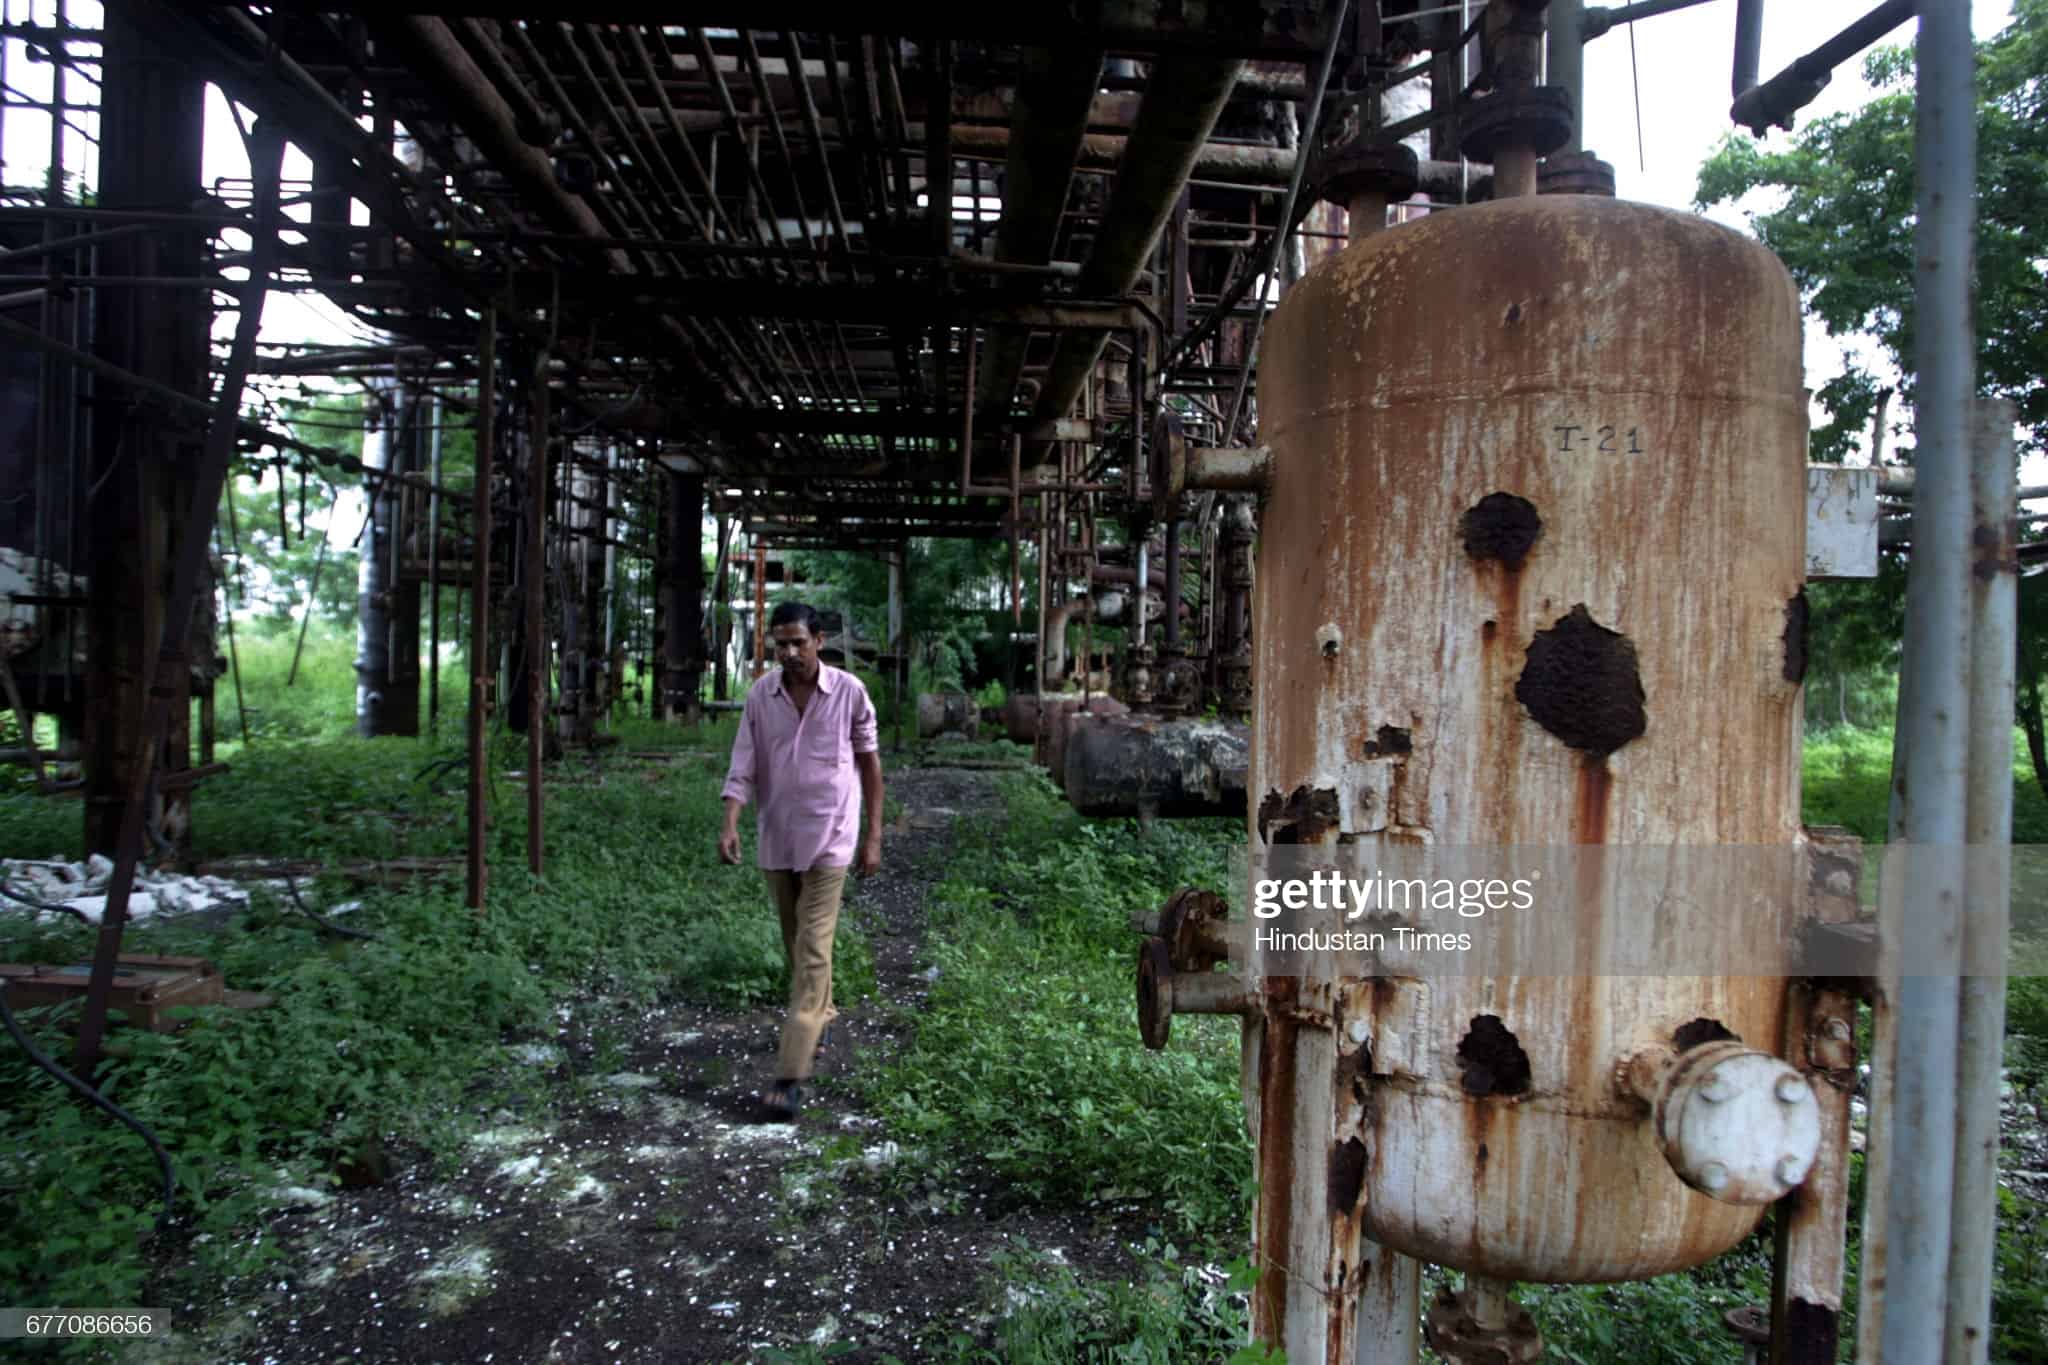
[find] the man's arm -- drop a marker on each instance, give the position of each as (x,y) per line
(869,765)
(739,785)
(867,760)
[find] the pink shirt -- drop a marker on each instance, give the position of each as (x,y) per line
(798,770)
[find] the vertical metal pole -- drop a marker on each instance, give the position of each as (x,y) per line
(1172,598)
(266,157)
(1994,603)
(721,617)
(536,627)
(480,598)
(433,408)
(234,655)
(1566,57)
(896,637)
(760,609)
(1935,679)
(1749,42)
(1388,1325)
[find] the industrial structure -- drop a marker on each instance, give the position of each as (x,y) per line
(1393,562)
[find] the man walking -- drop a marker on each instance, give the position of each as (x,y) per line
(806,730)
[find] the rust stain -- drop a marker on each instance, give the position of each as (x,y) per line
(1303,816)
(1596,787)
(1276,1158)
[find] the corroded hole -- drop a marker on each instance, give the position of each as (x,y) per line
(1701,1032)
(1501,526)
(1491,1060)
(1391,742)
(1582,684)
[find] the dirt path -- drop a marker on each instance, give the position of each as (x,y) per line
(651,1216)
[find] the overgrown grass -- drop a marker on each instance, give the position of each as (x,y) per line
(369,1044)
(1027,1060)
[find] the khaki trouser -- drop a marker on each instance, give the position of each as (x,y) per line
(808,904)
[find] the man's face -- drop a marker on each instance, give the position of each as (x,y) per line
(796,649)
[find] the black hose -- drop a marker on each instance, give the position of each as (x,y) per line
(292,885)
(42,1059)
(20,899)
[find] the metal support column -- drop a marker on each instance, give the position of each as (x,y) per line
(1934,702)
(480,671)
(536,625)
(169,673)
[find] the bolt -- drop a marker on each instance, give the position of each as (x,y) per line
(1790,1170)
(1714,1088)
(1792,1089)
(1713,1177)
(1837,1030)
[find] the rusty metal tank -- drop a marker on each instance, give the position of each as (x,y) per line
(1150,765)
(1057,722)
(1544,424)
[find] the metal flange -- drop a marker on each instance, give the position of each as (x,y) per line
(1539,118)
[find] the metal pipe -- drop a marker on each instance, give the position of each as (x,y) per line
(1138,597)
(1338,10)
(1934,680)
(478,867)
(434,574)
(536,626)
(1599,20)
(1049,123)
(1749,42)
(1173,595)
(1183,100)
(1566,56)
(1994,588)
(266,158)
(1777,99)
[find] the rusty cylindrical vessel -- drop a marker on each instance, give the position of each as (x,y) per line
(1567,417)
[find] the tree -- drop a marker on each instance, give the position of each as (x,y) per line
(279,514)
(1845,232)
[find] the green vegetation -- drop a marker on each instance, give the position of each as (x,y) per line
(1023,1075)
(369,1044)
(1027,1060)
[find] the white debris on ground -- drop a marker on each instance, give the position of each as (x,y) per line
(83,887)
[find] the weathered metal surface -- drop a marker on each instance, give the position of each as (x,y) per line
(1131,765)
(1841,522)
(1480,1325)
(1737,1125)
(1812,1224)
(1057,722)
(1633,376)
(940,713)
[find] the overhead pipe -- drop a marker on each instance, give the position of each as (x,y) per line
(1183,100)
(488,120)
(1055,89)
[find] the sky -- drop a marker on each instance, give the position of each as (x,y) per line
(1678,63)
